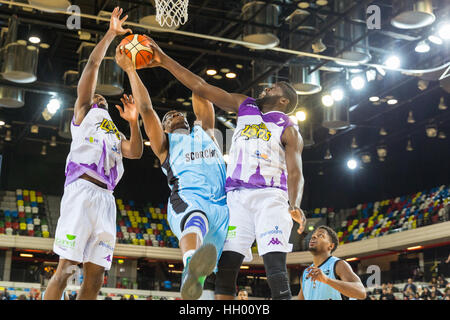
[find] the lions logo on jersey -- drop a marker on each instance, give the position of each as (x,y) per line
(254,131)
(109,127)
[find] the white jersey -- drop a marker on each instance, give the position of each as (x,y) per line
(95,149)
(257,155)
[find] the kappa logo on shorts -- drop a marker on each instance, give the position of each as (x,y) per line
(275,241)
(108,258)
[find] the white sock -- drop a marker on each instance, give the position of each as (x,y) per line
(187,255)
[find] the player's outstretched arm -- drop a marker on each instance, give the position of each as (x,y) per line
(293,144)
(226,101)
(152,124)
(88,79)
(133,148)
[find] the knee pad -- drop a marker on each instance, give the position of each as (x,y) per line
(195,222)
(277,276)
(227,273)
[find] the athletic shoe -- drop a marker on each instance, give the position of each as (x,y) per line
(198,267)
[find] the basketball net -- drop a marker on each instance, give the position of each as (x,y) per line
(171,13)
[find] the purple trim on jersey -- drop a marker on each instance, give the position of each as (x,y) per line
(246,110)
(73,122)
(283,180)
(94,106)
(257,179)
(239,184)
(76,170)
(237,171)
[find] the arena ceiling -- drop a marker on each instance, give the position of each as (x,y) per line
(333,27)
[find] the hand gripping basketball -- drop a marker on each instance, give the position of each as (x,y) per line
(137,48)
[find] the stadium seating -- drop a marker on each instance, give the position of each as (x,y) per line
(22,212)
(145,226)
(370,220)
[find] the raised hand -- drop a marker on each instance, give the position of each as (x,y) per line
(158,55)
(298,215)
(116,24)
(129,111)
(123,60)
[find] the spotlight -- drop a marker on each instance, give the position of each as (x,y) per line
(383,132)
(181,100)
(303,5)
(409,146)
(444,31)
(328,155)
(442,105)
(318,46)
(431,131)
(352,164)
(422,47)
(435,39)
(211,72)
(442,135)
(44,150)
(301,115)
(224,70)
(374,99)
(53,105)
(422,85)
(327,100)
(411,119)
(366,158)
(239,66)
(332,132)
(53,141)
(34,39)
(337,94)
(217,77)
(381,71)
(354,145)
(2,123)
(8,135)
(393,62)
(231,75)
(382,151)
(371,75)
(186,103)
(147,143)
(358,82)
(392,101)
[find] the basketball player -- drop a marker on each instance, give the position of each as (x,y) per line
(86,229)
(195,169)
(328,278)
(264,177)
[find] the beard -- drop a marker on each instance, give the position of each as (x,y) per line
(267,100)
(312,249)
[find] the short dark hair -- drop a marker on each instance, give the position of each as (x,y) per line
(332,234)
(289,93)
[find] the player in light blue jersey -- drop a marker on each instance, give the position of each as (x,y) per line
(196,172)
(328,278)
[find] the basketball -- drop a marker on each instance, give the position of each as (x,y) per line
(137,48)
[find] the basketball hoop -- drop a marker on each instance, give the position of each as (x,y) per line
(171,12)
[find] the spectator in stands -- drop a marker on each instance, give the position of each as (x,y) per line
(131,297)
(436,291)
(391,286)
(441,282)
(425,293)
(122,297)
(390,294)
(408,292)
(433,282)
(5,295)
(242,295)
(383,294)
(411,285)
(150,298)
(447,297)
(108,298)
(22,297)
